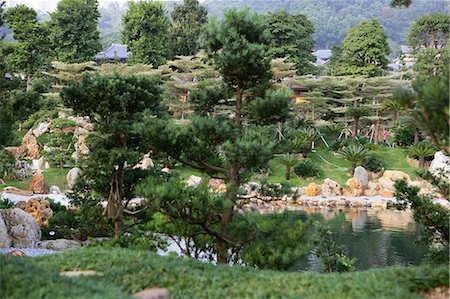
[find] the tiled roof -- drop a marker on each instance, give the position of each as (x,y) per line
(115,51)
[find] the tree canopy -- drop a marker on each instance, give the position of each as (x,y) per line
(145,31)
(188,19)
(430,31)
(74,32)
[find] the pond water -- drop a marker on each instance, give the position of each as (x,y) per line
(376,238)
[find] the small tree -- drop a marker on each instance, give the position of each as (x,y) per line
(354,154)
(421,151)
(119,103)
(288,160)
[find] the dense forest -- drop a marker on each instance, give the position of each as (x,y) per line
(331,18)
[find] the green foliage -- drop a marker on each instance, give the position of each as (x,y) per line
(404,131)
(354,154)
(145,31)
(206,98)
(332,256)
(281,239)
(188,20)
(61,123)
(288,160)
(74,34)
(7,163)
(421,152)
(127,271)
(272,108)
(430,31)
(434,218)
(292,38)
(6,203)
(364,51)
(41,115)
(372,163)
(307,169)
(432,62)
(136,240)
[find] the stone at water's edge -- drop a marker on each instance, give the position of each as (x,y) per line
(22,228)
(313,190)
(72,176)
(331,188)
(362,175)
(373,189)
(355,188)
(37,184)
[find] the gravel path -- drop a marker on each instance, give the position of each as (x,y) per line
(29,251)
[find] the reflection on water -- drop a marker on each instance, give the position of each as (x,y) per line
(376,237)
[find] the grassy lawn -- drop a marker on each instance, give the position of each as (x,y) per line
(124,272)
(53,176)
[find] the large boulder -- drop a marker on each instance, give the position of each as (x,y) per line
(331,188)
(373,189)
(362,175)
(58,244)
(5,238)
(31,144)
(41,129)
(313,190)
(72,176)
(355,188)
(54,190)
(22,228)
(37,184)
(440,166)
(193,181)
(395,175)
(39,164)
(38,208)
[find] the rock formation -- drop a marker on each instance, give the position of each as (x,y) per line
(355,187)
(362,175)
(37,184)
(72,176)
(313,190)
(22,229)
(331,188)
(38,208)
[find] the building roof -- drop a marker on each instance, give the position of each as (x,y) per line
(323,54)
(115,51)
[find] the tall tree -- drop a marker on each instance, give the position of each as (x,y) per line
(31,52)
(429,31)
(188,19)
(363,51)
(292,38)
(74,33)
(217,145)
(119,102)
(145,31)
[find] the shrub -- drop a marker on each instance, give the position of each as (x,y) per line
(6,203)
(61,123)
(307,169)
(7,163)
(372,163)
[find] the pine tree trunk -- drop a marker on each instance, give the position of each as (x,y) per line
(29,83)
(355,127)
(376,135)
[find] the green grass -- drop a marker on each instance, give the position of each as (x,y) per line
(53,176)
(125,272)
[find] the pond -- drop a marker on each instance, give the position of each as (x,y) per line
(377,238)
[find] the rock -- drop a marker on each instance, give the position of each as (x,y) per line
(69,130)
(58,244)
(22,170)
(83,122)
(79,131)
(395,175)
(362,175)
(38,208)
(55,190)
(145,163)
(17,191)
(19,152)
(374,175)
(17,253)
(72,176)
(373,189)
(386,184)
(5,239)
(37,184)
(217,185)
(440,166)
(77,273)
(355,187)
(22,228)
(166,170)
(31,144)
(41,129)
(39,164)
(193,181)
(313,190)
(251,187)
(152,293)
(387,193)
(330,188)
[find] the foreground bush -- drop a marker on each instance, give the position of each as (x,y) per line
(127,271)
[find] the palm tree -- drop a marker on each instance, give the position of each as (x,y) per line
(394,107)
(354,154)
(421,151)
(288,160)
(356,112)
(303,141)
(335,129)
